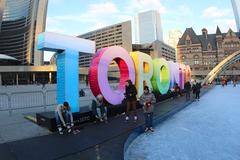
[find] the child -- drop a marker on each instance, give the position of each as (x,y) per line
(147,100)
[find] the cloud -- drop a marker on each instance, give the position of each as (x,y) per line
(98,25)
(184,10)
(97,15)
(56,30)
(225,24)
(94,12)
(103,8)
(215,12)
(54,25)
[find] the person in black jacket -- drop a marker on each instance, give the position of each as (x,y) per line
(198,90)
(187,88)
(130,95)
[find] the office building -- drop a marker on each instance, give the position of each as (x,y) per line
(203,52)
(148,27)
(2,3)
(236,10)
(21,21)
(115,35)
(157,49)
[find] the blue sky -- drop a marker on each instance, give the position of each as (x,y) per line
(74,17)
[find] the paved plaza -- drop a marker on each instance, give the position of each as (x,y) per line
(206,130)
(95,141)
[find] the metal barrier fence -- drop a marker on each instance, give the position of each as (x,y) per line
(32,99)
(15,99)
(27,99)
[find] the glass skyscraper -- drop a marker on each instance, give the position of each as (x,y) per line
(236,10)
(20,23)
(148,27)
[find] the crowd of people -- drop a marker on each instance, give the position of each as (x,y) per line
(224,82)
(195,87)
(64,118)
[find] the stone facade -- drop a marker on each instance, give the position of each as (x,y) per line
(204,52)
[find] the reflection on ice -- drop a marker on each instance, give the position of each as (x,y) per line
(206,130)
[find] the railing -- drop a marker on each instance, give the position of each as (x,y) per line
(28,99)
(32,99)
(15,98)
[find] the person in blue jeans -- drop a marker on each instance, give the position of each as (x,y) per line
(99,109)
(64,117)
(147,100)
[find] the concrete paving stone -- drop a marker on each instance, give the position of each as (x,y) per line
(20,131)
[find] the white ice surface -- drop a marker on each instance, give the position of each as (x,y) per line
(205,130)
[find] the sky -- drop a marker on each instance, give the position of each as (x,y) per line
(75,17)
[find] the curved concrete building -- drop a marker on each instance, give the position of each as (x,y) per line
(20,23)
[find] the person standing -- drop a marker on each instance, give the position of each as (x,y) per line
(223,82)
(198,90)
(234,83)
(147,100)
(131,98)
(187,88)
(81,93)
(194,87)
(64,117)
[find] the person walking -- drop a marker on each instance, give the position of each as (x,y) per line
(187,88)
(147,99)
(131,99)
(64,117)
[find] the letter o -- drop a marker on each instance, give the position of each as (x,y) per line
(161,76)
(98,73)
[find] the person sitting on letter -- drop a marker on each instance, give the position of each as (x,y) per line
(99,108)
(64,117)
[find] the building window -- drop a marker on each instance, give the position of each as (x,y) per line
(209,47)
(196,68)
(188,42)
(196,62)
(196,57)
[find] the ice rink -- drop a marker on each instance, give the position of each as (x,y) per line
(208,129)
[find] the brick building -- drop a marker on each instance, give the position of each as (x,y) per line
(203,52)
